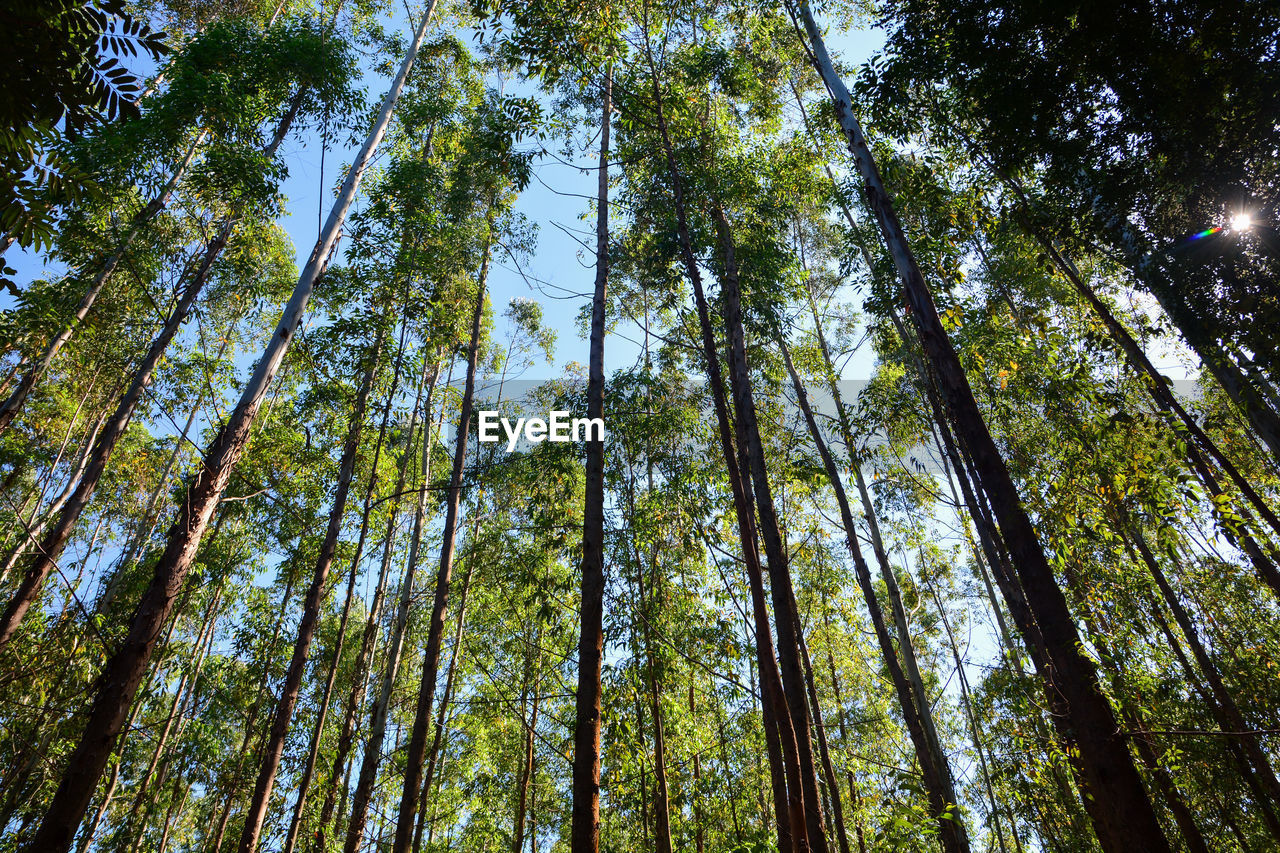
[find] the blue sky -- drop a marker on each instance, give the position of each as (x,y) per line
(554,200)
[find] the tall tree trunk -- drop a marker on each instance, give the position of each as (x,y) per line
(124,671)
(661,794)
(395,646)
(437,739)
(974,731)
(699,828)
(1223,705)
(435,631)
(250,727)
(828,771)
(1124,818)
(527,769)
(584,832)
(18,397)
(274,750)
(56,538)
(793,834)
(855,800)
(369,635)
(942,803)
(455,654)
(308,770)
(785,615)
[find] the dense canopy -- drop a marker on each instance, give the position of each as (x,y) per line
(911,481)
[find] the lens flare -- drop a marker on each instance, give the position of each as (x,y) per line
(1205,233)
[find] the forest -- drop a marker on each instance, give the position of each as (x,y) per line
(937,504)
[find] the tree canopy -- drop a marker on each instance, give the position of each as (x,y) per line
(937,500)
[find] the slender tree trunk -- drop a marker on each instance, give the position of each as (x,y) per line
(435,633)
(124,671)
(18,397)
(780,584)
(1124,818)
(699,828)
(1223,704)
(370,633)
(793,833)
(855,800)
(56,538)
(395,646)
(828,771)
(437,739)
(455,654)
(257,810)
(661,794)
(905,644)
(974,731)
(308,771)
(942,803)
(527,767)
(584,832)
(250,727)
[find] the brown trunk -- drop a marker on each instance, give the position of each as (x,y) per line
(661,794)
(274,750)
(584,832)
(833,787)
(395,646)
(369,634)
(437,739)
(308,770)
(793,834)
(250,727)
(435,632)
(1124,818)
(56,538)
(527,768)
(785,614)
(941,804)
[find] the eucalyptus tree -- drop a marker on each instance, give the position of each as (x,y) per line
(124,671)
(1052,593)
(1174,192)
(1123,816)
(310,51)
